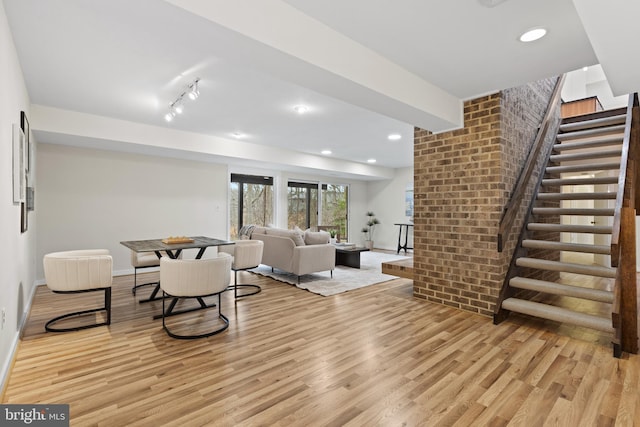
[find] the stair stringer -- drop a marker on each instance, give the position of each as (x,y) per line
(514,270)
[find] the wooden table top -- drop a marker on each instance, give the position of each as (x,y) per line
(154,245)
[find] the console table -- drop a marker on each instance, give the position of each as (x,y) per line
(406,226)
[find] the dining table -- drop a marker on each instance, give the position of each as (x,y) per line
(173,247)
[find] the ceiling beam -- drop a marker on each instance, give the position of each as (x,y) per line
(67,127)
(300,49)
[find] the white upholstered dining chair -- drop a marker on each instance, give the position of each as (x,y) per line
(247,254)
(195,278)
(141,260)
(79,271)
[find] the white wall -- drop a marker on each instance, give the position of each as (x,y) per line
(95,199)
(387,200)
(582,83)
(17,252)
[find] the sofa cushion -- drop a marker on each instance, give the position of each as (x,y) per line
(259,230)
(294,235)
(316,237)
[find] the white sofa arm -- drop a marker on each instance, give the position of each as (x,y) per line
(313,258)
(278,251)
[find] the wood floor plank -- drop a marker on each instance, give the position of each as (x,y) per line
(373,356)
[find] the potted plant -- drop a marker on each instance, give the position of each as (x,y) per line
(332,235)
(368,230)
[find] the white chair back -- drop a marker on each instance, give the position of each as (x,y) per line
(246,253)
(195,277)
(78,270)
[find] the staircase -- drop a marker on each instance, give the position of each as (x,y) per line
(586,155)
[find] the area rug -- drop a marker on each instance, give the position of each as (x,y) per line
(344,278)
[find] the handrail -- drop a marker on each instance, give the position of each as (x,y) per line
(513,205)
(623,197)
(624,310)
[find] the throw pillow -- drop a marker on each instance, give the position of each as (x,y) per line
(316,237)
(292,234)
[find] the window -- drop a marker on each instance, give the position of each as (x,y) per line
(335,202)
(302,205)
(251,201)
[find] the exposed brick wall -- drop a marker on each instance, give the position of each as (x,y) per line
(462,180)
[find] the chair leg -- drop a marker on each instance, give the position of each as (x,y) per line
(107,304)
(107,308)
(256,289)
(190,337)
(135,281)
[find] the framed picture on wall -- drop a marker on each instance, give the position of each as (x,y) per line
(24,217)
(30,199)
(18,164)
(24,124)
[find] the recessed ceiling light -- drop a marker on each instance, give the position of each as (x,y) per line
(585,68)
(371,161)
(301,109)
(326,152)
(533,35)
(394,136)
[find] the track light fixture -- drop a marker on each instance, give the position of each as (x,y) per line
(194,93)
(177,106)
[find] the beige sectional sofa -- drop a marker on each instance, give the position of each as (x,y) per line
(295,251)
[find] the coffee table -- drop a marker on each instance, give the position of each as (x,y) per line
(349,257)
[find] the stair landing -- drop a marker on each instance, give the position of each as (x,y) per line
(401,268)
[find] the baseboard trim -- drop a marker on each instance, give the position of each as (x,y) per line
(8,366)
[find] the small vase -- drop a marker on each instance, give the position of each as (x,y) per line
(368,244)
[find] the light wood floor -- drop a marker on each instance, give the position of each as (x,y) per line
(371,357)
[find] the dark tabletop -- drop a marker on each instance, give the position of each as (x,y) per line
(157,245)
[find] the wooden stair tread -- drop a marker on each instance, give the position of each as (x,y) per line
(588,124)
(577,196)
(587,133)
(568,267)
(570,228)
(586,155)
(580,181)
(561,289)
(564,246)
(573,211)
(583,167)
(589,143)
(558,314)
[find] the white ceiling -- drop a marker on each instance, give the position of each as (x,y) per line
(365,68)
